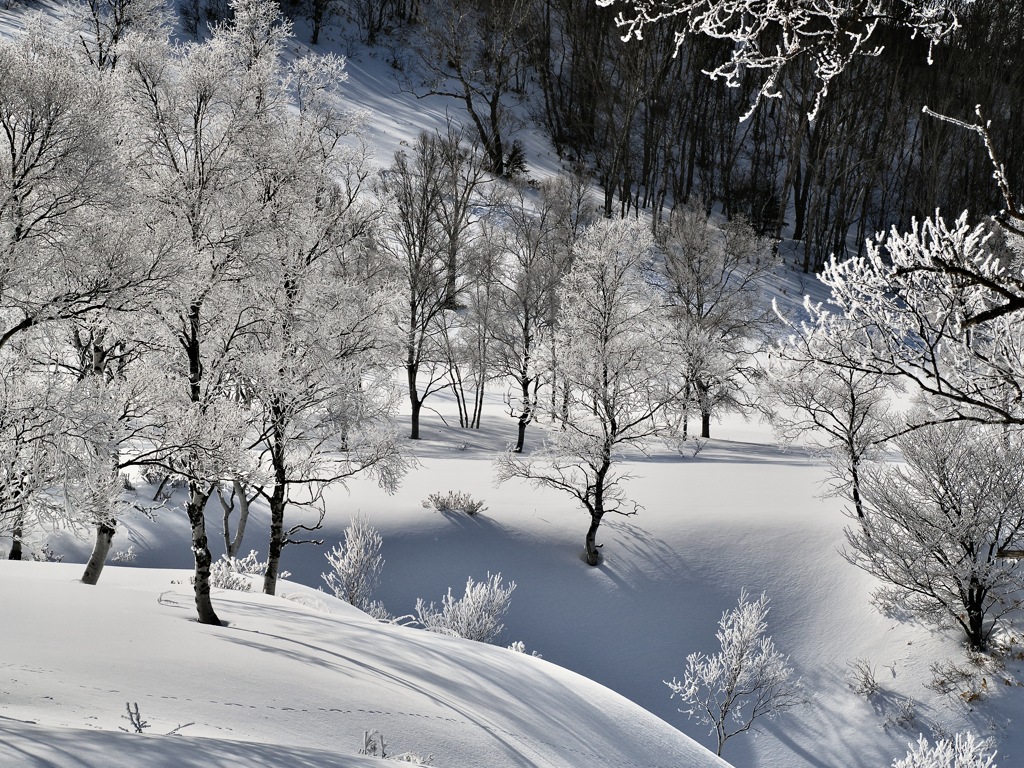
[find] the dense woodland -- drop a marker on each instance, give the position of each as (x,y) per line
(657,132)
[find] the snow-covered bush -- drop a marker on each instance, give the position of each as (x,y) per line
(520,647)
(125,555)
(454,501)
(746,680)
(963,751)
(355,567)
(375,745)
(235,573)
(477,615)
(901,715)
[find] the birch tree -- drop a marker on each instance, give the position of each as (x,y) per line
(316,377)
(199,108)
(713,282)
(614,366)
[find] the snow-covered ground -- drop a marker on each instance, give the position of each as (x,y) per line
(297,681)
(742,513)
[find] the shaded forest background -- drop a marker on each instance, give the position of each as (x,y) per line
(656,132)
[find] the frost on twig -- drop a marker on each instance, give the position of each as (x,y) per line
(769,35)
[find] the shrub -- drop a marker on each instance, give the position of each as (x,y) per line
(235,573)
(963,751)
(477,615)
(861,677)
(355,567)
(454,501)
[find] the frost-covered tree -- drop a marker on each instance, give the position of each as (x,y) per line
(62,187)
(356,564)
(962,751)
(30,431)
(713,281)
(809,396)
(420,194)
(935,307)
(315,374)
(940,524)
(198,111)
(614,363)
(102,26)
(746,680)
(526,281)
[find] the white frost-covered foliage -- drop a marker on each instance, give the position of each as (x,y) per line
(236,572)
(746,680)
(613,373)
(477,615)
(936,305)
(962,751)
(938,525)
(767,35)
(356,564)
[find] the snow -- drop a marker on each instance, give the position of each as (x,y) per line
(742,512)
(288,684)
(283,673)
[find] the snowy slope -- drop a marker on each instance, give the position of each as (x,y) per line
(308,675)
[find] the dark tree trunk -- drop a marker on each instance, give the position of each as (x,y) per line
(277,539)
(414,431)
(527,415)
(592,554)
(415,402)
(16,551)
(858,503)
(521,435)
(705,423)
(100,550)
(201,549)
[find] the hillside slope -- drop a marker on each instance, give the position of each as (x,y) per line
(308,676)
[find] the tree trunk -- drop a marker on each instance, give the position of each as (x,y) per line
(277,505)
(705,423)
(521,435)
(858,503)
(233,544)
(100,550)
(414,401)
(526,416)
(201,549)
(414,431)
(593,556)
(16,534)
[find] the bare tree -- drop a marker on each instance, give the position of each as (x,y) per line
(427,211)
(809,395)
(472,51)
(526,283)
